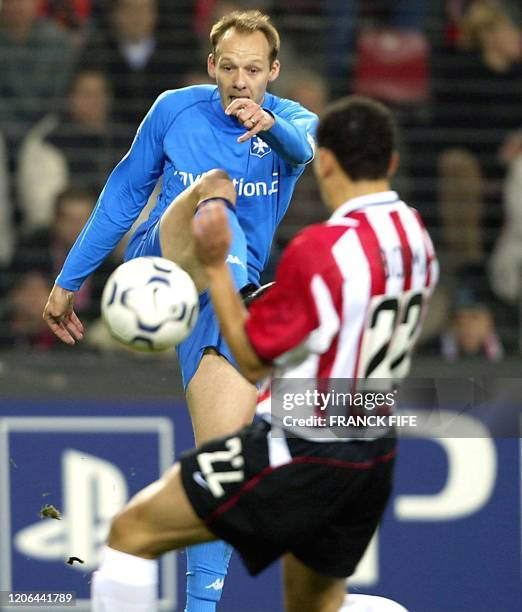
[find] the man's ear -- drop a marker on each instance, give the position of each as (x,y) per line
(211,66)
(274,71)
(393,166)
(324,162)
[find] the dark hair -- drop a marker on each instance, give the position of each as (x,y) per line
(361,133)
(246,22)
(87,68)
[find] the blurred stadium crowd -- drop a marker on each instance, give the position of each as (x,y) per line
(77,77)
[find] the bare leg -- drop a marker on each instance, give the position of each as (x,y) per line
(220,400)
(308,591)
(157,519)
(177,242)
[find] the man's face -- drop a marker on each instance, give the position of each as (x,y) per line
(89,100)
(241,66)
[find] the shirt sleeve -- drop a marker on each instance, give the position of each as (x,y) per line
(283,318)
(122,199)
(292,135)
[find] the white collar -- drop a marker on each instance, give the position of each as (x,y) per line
(372,199)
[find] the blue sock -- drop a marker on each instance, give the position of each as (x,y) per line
(237,256)
(207,566)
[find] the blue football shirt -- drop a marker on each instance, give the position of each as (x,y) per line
(187,133)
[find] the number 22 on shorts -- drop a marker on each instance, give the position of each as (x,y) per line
(232,456)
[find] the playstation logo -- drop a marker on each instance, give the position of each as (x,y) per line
(258,147)
(84,466)
(93,491)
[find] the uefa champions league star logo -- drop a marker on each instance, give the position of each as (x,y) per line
(258,147)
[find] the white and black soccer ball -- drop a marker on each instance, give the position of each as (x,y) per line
(150,304)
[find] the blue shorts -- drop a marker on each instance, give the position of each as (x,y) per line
(206,333)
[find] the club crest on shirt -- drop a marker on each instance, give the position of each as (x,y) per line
(258,147)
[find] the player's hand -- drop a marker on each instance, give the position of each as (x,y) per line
(212,234)
(251,116)
(60,316)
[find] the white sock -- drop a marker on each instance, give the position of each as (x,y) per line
(124,583)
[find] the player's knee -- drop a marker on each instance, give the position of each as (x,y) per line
(120,531)
(217,182)
(128,535)
(215,176)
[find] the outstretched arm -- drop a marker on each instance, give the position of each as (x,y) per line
(177,244)
(122,199)
(125,194)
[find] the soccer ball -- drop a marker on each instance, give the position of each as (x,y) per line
(150,304)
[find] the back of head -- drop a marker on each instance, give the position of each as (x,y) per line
(361,133)
(246,22)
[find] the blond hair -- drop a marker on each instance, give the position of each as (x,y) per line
(246,22)
(481,17)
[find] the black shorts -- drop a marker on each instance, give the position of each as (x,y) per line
(268,495)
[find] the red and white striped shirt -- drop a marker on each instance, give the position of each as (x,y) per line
(350,294)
